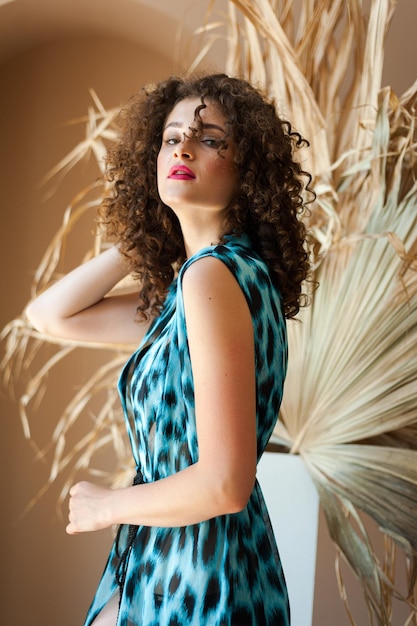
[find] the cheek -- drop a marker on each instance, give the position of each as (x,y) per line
(228,174)
(158,163)
(159,170)
(223,168)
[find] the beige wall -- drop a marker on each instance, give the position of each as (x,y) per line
(48,578)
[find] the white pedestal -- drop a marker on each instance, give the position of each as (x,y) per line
(293,506)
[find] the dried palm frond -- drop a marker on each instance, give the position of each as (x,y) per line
(24,346)
(350,402)
(99,129)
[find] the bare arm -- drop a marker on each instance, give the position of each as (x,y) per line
(220,335)
(77,306)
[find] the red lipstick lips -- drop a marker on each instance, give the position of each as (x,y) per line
(181,172)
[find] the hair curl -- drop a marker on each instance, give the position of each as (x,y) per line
(268,201)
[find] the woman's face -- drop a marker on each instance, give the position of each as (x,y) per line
(191,171)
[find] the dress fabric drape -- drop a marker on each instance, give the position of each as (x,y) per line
(225,571)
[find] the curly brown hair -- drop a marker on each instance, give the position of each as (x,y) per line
(268,202)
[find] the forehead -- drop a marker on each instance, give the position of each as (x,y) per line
(183,112)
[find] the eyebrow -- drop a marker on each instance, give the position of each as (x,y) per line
(205,126)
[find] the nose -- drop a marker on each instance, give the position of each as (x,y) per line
(184,148)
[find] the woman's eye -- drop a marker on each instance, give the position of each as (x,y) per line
(171,141)
(212,143)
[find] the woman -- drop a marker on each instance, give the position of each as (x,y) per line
(203,205)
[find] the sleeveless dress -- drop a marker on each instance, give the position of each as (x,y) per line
(225,571)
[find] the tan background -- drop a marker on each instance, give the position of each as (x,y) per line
(48,578)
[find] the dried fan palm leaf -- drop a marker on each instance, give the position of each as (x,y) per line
(361,474)
(256,36)
(317,55)
(380,481)
(355,546)
(355,349)
(46,270)
(99,127)
(23,344)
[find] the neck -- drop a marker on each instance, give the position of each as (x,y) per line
(199,235)
(194,243)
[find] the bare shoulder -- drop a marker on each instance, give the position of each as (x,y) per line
(210,288)
(209,273)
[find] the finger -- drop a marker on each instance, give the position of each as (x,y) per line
(70,529)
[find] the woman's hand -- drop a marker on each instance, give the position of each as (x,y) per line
(89,508)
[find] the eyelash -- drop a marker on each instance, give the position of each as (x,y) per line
(209,141)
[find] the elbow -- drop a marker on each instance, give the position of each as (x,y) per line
(238,499)
(235,505)
(233,493)
(33,316)
(39,318)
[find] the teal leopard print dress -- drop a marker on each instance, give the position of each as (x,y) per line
(225,571)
